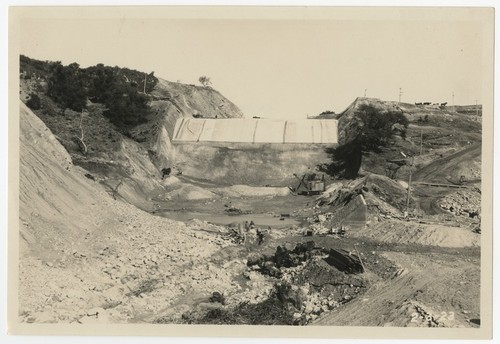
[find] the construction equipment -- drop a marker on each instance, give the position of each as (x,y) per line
(309,184)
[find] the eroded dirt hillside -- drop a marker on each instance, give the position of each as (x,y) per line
(86,257)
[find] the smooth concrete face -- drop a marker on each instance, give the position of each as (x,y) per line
(265,131)
(249,164)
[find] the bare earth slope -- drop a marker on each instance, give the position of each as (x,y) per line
(84,253)
(417,297)
(51,187)
(466,162)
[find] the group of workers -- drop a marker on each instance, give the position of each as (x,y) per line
(246,228)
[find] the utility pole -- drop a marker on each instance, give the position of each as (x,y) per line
(361,261)
(365,92)
(421,140)
(400,93)
(409,187)
(453,100)
(477,109)
(145,78)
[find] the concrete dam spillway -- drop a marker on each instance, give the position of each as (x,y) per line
(252,151)
(309,131)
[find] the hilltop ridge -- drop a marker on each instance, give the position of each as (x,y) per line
(434,131)
(422,114)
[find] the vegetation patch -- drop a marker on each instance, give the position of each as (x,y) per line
(122,91)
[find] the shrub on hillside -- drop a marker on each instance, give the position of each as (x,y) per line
(118,90)
(121,91)
(372,130)
(34,68)
(327,112)
(66,86)
(34,102)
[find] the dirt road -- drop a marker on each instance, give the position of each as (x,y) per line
(466,162)
(433,290)
(428,197)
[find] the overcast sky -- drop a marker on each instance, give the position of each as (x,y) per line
(279,68)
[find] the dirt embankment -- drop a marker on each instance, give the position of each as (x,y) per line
(403,232)
(432,290)
(466,162)
(385,203)
(86,257)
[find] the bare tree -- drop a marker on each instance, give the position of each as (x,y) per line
(84,146)
(115,189)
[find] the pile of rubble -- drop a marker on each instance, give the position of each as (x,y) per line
(283,258)
(463,203)
(312,280)
(294,286)
(114,278)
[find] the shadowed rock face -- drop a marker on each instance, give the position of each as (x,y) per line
(344,261)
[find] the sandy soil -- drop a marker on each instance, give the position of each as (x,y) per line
(397,232)
(82,250)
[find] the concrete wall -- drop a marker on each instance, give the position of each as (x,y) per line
(250,164)
(256,152)
(255,131)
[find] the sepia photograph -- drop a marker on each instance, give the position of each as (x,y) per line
(304,171)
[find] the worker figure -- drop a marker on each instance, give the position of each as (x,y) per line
(260,236)
(242,233)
